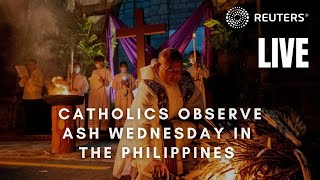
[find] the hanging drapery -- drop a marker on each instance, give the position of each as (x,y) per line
(130,45)
(179,40)
(109,52)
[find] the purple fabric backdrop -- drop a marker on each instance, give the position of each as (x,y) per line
(179,40)
(182,37)
(109,53)
(130,47)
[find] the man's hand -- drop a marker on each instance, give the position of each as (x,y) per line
(127,84)
(104,82)
(158,169)
(24,79)
(101,80)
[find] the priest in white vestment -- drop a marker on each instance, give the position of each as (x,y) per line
(100,82)
(123,83)
(168,87)
(199,72)
(79,86)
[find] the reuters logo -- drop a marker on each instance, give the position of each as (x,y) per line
(237,17)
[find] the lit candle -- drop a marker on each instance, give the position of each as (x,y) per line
(71,68)
(71,60)
(194,54)
(194,45)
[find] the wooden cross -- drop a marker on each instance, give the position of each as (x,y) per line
(139,31)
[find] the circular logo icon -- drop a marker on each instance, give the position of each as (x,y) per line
(237,17)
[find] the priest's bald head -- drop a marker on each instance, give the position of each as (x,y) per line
(170,66)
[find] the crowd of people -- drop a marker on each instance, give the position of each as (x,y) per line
(97,86)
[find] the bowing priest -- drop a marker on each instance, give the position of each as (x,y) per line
(168,86)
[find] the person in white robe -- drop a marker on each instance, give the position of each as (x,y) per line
(199,72)
(100,82)
(79,86)
(123,83)
(34,106)
(169,87)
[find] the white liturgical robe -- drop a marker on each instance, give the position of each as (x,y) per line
(198,74)
(79,87)
(124,95)
(32,86)
(147,98)
(99,96)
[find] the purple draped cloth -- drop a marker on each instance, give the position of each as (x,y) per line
(183,35)
(130,46)
(109,54)
(179,40)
